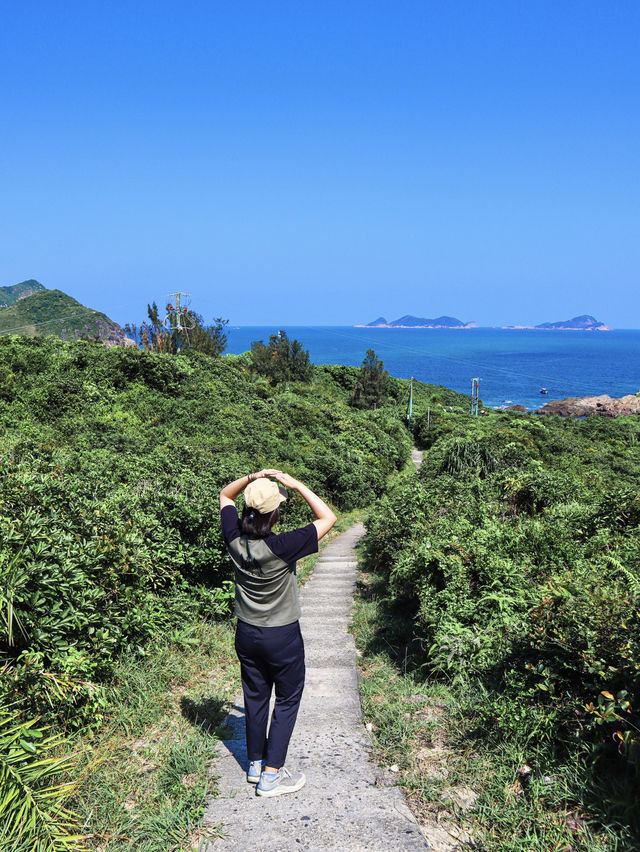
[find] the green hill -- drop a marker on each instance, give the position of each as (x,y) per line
(52,313)
(10,295)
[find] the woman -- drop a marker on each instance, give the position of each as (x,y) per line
(268,639)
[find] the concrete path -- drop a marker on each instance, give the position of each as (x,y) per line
(417,457)
(340,808)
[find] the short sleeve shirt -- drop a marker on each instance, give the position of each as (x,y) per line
(265,571)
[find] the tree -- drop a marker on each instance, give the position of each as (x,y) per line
(154,336)
(372,383)
(283,360)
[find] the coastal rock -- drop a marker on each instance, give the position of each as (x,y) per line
(516,408)
(585,406)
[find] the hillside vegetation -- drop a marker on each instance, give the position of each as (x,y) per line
(52,313)
(12,293)
(113,573)
(511,572)
(111,464)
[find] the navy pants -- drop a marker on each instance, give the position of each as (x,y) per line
(270,656)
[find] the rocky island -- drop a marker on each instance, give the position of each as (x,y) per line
(409,321)
(585,322)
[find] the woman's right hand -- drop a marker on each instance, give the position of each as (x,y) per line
(325,517)
(287,480)
(267,471)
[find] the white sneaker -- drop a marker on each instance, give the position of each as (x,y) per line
(282,782)
(254,770)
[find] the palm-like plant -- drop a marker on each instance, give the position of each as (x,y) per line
(33,816)
(12,575)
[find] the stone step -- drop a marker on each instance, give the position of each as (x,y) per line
(326,615)
(324,601)
(333,560)
(313,627)
(314,645)
(330,656)
(330,572)
(318,631)
(341,556)
(322,598)
(342,591)
(337,621)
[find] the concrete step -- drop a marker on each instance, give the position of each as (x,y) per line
(326,603)
(321,598)
(345,570)
(338,554)
(334,621)
(330,656)
(326,594)
(336,560)
(336,570)
(323,577)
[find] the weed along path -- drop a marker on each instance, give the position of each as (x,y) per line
(341,807)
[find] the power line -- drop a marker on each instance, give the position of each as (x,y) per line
(47,322)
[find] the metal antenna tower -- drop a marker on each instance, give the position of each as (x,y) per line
(475,395)
(178,318)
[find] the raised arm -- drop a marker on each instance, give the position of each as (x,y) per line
(230,492)
(325,518)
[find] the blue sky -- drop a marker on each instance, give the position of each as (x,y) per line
(325,162)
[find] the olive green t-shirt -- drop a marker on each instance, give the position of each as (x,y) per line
(265,571)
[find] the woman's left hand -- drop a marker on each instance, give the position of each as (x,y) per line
(268,471)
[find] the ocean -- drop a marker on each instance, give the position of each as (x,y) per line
(512,365)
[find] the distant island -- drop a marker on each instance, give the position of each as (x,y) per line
(409,321)
(585,322)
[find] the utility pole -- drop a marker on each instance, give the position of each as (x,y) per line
(178,323)
(475,395)
(179,319)
(410,403)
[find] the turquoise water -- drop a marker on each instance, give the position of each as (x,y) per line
(512,365)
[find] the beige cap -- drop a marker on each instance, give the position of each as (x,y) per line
(264,495)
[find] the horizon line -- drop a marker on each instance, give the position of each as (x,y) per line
(416,328)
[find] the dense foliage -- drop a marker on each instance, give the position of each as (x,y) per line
(516,554)
(12,293)
(53,313)
(111,464)
(281,360)
(370,389)
(175,331)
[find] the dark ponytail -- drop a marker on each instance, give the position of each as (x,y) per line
(254,524)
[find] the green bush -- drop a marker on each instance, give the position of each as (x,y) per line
(515,555)
(111,464)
